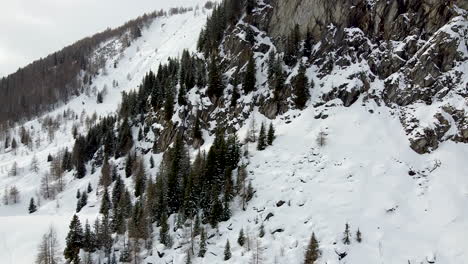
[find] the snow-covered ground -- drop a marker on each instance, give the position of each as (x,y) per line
(409,207)
(20,232)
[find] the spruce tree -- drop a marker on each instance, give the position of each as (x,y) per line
(74,240)
(358,236)
(169,103)
(215,84)
(241,238)
(346,235)
(125,139)
(140,178)
(151,162)
(197,133)
(89,238)
(308,44)
(105,203)
(250,76)
(262,138)
(312,253)
(32,206)
(90,188)
(271,134)
(202,250)
(301,88)
(227,251)
(129,165)
(181,97)
(164,230)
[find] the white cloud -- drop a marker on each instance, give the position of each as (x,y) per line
(31,29)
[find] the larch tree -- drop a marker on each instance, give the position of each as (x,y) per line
(48,252)
(313,252)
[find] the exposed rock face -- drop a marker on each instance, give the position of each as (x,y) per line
(405,54)
(380,19)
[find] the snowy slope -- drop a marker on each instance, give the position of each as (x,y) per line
(409,207)
(361,177)
(20,232)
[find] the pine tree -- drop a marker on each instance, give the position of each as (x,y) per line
(151,162)
(78,194)
(227,251)
(215,84)
(358,236)
(32,206)
(202,250)
(312,253)
(129,165)
(241,238)
(197,133)
(262,138)
(169,102)
(140,178)
(346,235)
(105,203)
(100,98)
(250,76)
(74,240)
(181,98)
(271,134)
(89,238)
(105,179)
(301,88)
(14,145)
(125,139)
(90,188)
(308,44)
(164,230)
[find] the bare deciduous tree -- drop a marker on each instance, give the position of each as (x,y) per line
(49,248)
(321,139)
(14,195)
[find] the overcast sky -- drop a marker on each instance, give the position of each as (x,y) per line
(31,29)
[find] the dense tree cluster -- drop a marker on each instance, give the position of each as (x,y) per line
(224,15)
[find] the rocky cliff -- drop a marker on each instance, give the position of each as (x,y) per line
(398,53)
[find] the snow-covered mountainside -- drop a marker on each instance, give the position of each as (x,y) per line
(20,232)
(368,100)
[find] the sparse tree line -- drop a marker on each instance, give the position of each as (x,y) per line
(49,81)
